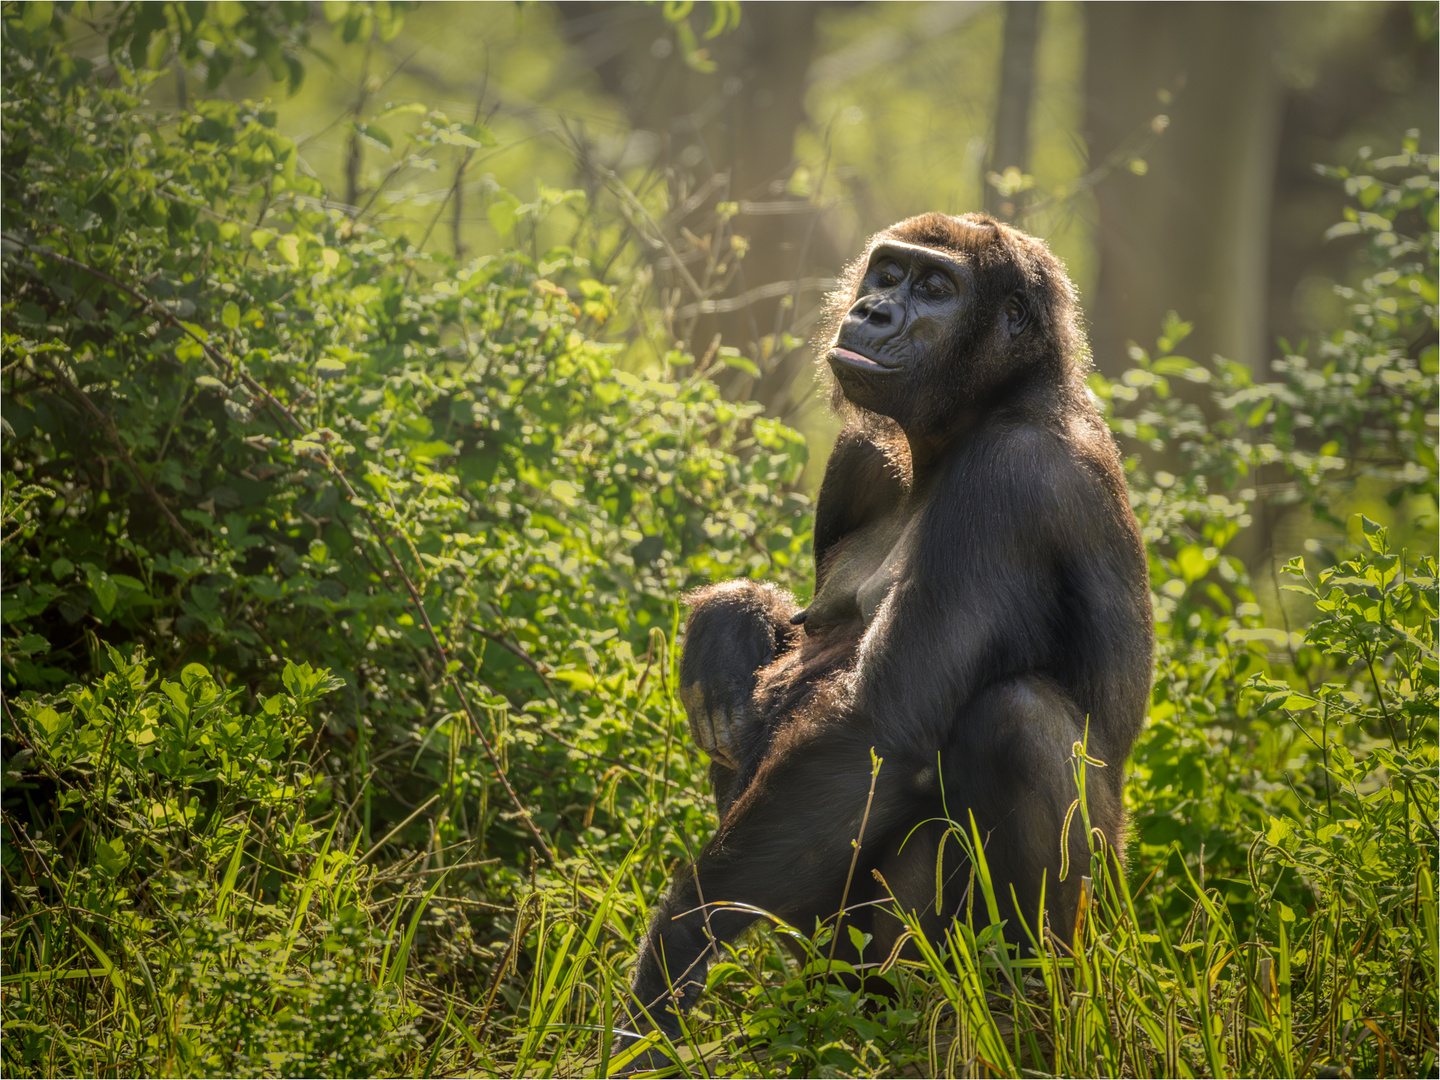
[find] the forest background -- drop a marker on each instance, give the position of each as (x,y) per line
(376,377)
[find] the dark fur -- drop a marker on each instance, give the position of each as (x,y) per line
(1002,610)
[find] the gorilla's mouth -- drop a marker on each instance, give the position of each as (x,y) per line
(851,359)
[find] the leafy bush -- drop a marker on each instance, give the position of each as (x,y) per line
(251,439)
(242,426)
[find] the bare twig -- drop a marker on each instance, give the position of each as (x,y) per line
(412,816)
(632,208)
(455,188)
(1139,141)
(760,292)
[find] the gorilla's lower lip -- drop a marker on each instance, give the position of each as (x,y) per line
(850,358)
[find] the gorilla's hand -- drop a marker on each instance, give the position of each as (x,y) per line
(736,628)
(717,715)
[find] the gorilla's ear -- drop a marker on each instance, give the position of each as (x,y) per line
(1016,313)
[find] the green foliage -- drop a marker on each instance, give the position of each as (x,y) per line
(241,426)
(1360,412)
(156,798)
(296,430)
(250,440)
(1292,773)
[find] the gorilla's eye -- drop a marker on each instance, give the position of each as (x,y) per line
(932,286)
(888,274)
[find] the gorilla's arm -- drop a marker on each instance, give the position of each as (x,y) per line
(737,628)
(866,477)
(858,517)
(1020,563)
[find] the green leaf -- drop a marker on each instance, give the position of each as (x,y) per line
(859,939)
(288,248)
(106,591)
(1278,830)
(30,644)
(305,683)
(50,722)
(1174,365)
(36,15)
(112,856)
(193,676)
(405,108)
(372,133)
(480,134)
(1375,534)
(502,211)
(1290,700)
(230,314)
(430,450)
(731,358)
(1192,563)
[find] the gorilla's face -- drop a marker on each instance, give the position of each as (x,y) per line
(907,346)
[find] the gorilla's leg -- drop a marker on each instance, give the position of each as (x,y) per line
(736,628)
(785,847)
(907,865)
(1012,763)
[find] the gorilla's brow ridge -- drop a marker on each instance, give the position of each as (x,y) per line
(946,233)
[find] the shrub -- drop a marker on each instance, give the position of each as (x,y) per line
(243,426)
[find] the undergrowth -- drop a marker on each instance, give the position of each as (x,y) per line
(340,609)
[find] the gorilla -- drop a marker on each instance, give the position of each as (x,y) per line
(981,606)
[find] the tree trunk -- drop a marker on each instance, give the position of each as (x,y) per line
(735,126)
(1187,230)
(1011,147)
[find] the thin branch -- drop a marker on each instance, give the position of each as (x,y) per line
(1138,142)
(760,292)
(505,643)
(630,206)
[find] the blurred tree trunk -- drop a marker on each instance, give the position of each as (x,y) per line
(734,127)
(1189,229)
(1226,226)
(1011,146)
(1372,75)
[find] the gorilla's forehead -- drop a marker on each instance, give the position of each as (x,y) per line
(907,253)
(965,233)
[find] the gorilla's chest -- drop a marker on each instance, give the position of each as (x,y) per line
(859,572)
